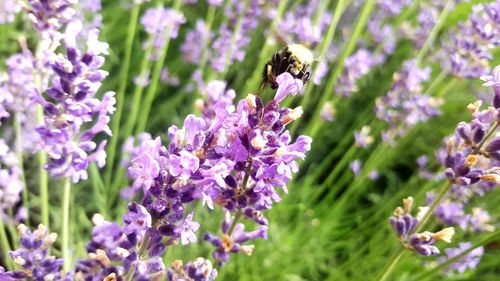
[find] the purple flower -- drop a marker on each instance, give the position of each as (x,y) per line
(186,230)
(404,105)
(161,23)
(468,50)
(33,258)
(8,11)
(469,261)
(144,170)
(136,220)
(199,270)
(195,42)
(70,103)
(11,184)
(183,165)
(356,66)
(404,223)
(287,86)
(327,112)
(356,166)
(362,138)
(50,16)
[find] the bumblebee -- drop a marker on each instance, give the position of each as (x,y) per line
(294,59)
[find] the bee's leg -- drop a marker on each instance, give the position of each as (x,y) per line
(268,69)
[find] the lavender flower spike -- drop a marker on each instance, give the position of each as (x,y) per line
(32,256)
(403,223)
(70,103)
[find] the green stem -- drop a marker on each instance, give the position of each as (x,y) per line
(43,178)
(4,241)
(339,67)
(391,265)
(20,159)
(323,50)
(144,245)
(435,30)
(65,224)
(120,95)
(137,95)
(155,80)
(234,37)
(421,224)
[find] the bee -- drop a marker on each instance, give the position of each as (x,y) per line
(295,59)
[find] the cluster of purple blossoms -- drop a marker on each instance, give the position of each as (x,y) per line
(8,11)
(468,50)
(11,184)
(33,257)
(404,105)
(198,270)
(469,261)
(381,31)
(161,23)
(16,88)
(71,103)
(404,224)
(472,160)
(298,25)
(224,50)
(356,66)
(426,20)
(230,157)
(195,42)
(168,78)
(49,16)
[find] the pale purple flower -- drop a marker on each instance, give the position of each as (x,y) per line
(362,138)
(168,78)
(327,112)
(468,262)
(186,230)
(11,184)
(161,23)
(8,11)
(199,270)
(195,42)
(404,105)
(356,66)
(144,170)
(356,166)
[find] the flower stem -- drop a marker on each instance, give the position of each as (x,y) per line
(238,214)
(421,224)
(120,95)
(20,159)
(155,79)
(142,250)
(4,241)
(65,224)
(391,265)
(43,177)
(339,67)
(435,30)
